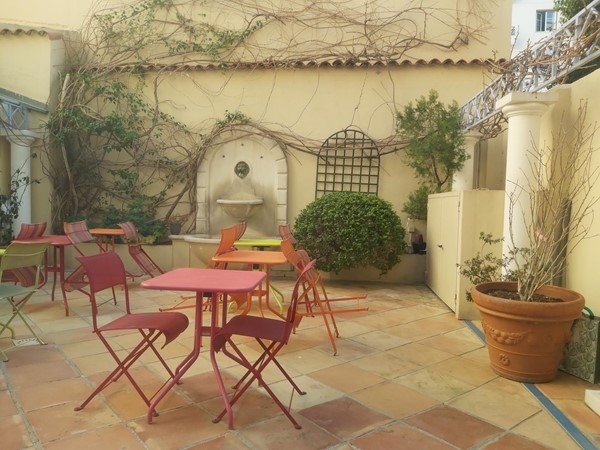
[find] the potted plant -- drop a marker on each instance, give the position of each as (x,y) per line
(527,319)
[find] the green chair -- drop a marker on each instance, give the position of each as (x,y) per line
(20,258)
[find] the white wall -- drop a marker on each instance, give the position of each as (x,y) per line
(524,21)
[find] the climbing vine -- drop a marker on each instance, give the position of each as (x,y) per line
(111,151)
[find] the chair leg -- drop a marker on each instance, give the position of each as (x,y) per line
(123,368)
(17,312)
(265,359)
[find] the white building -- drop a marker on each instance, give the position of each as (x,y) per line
(532,20)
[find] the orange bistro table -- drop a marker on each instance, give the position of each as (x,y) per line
(264,259)
(199,281)
(107,235)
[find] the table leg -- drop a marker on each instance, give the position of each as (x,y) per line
(186,363)
(268,278)
(213,359)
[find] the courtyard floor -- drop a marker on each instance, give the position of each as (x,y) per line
(407,375)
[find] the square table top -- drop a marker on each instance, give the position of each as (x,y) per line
(252,257)
(206,280)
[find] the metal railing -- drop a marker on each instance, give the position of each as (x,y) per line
(14,115)
(543,65)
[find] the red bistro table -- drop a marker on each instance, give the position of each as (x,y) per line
(259,258)
(58,242)
(199,281)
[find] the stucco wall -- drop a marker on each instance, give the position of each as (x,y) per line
(582,265)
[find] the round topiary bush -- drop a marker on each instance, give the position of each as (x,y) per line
(343,230)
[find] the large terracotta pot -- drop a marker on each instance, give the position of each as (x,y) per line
(526,340)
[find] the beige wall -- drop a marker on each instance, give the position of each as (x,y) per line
(582,265)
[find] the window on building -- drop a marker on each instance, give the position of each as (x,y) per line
(545,20)
(348,161)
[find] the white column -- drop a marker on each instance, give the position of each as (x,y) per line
(524,112)
(20,160)
(463,180)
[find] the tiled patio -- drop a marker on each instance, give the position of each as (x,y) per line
(407,375)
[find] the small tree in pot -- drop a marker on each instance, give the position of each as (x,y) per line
(527,321)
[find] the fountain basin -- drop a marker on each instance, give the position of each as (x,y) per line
(239,209)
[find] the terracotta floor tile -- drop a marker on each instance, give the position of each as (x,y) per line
(344,417)
(454,426)
(14,433)
(385,365)
(178,428)
(542,428)
(470,372)
(394,400)
(119,436)
(307,361)
(511,442)
(434,384)
(491,405)
(400,437)
(347,378)
(316,392)
(34,374)
(253,407)
(420,354)
(587,420)
(455,342)
(53,393)
(380,340)
(7,404)
(566,386)
(227,442)
(279,433)
(62,421)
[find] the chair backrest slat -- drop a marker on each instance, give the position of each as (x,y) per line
(24,260)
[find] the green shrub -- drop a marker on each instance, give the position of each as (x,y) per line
(343,230)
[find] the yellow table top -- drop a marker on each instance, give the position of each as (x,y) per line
(258,243)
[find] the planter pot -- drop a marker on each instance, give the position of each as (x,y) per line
(526,340)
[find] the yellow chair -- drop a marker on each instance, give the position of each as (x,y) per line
(20,256)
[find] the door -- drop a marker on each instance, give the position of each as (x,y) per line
(442,246)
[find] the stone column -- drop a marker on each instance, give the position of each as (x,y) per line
(463,180)
(523,111)
(20,160)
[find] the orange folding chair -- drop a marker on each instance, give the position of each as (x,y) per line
(106,270)
(272,335)
(78,233)
(139,255)
(316,300)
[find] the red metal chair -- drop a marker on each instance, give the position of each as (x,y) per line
(78,233)
(139,255)
(316,300)
(272,335)
(106,270)
(31,230)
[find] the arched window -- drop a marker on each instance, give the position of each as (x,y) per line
(348,161)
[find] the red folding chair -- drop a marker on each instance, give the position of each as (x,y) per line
(272,335)
(78,233)
(316,300)
(31,230)
(106,270)
(139,255)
